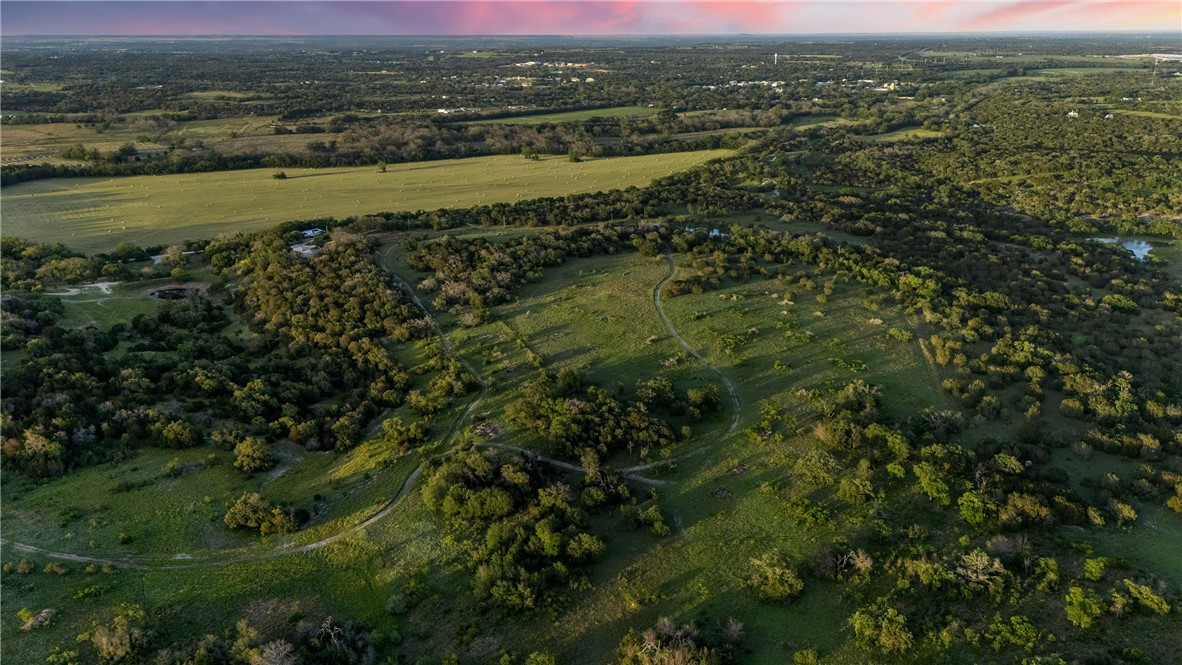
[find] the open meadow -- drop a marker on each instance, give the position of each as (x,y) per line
(575,116)
(96,214)
(44,143)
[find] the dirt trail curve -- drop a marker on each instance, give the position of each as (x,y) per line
(634,471)
(631,472)
(447,345)
(730,387)
(142,563)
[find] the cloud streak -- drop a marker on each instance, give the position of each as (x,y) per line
(582,17)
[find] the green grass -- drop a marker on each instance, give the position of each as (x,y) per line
(104,304)
(691,574)
(165,516)
(25,144)
(734,131)
(38,86)
(90,306)
(1170,253)
(1074,71)
(908,134)
(103,312)
(1154,543)
(218,94)
(1148,114)
(596,316)
(96,214)
(843,328)
(575,116)
(821,121)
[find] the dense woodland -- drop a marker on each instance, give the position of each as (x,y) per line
(938,547)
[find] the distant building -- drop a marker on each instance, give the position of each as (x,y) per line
(312,233)
(1073,114)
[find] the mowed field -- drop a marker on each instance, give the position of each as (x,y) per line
(573,116)
(96,214)
(43,143)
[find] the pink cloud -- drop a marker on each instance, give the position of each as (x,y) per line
(1075,14)
(585,17)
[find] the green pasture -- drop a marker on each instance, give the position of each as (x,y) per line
(1170,254)
(722,517)
(141,511)
(575,116)
(907,134)
(103,304)
(219,94)
(1075,71)
(96,214)
(773,321)
(1153,544)
(1148,114)
(821,121)
(103,307)
(596,316)
(89,511)
(33,86)
(730,131)
(43,142)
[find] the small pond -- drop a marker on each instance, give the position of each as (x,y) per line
(1139,248)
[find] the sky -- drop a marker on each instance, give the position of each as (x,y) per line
(579,17)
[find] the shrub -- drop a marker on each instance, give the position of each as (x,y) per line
(252,455)
(56,568)
(1094,568)
(882,629)
(773,579)
(252,511)
(1082,607)
(124,639)
(1147,598)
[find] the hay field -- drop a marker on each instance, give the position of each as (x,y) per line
(96,214)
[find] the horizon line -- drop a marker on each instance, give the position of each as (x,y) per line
(594,35)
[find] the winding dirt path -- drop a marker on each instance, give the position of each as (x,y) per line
(730,387)
(406,288)
(142,563)
(633,472)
